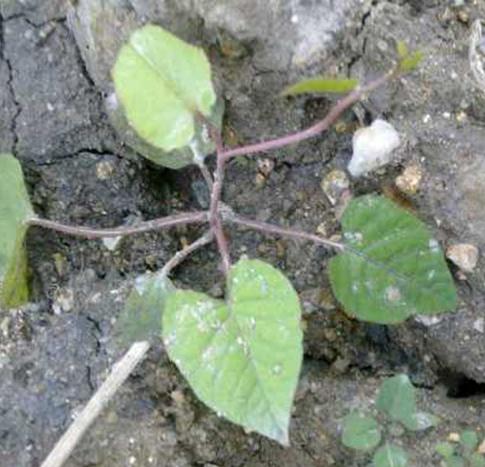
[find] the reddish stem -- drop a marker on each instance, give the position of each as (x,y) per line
(323,125)
(283,232)
(147,226)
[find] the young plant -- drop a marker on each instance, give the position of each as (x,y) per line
(463,454)
(241,355)
(396,400)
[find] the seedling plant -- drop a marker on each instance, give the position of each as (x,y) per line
(463,453)
(396,402)
(241,355)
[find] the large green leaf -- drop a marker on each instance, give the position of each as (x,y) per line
(390,455)
(242,357)
(391,268)
(15,209)
(141,318)
(163,83)
(321,85)
(360,432)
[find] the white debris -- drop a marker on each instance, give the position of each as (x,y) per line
(111,242)
(373,147)
(464,255)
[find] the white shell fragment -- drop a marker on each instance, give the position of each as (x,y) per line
(464,255)
(373,147)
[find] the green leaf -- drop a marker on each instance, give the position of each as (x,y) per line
(141,318)
(411,61)
(402,49)
(320,86)
(445,449)
(469,440)
(397,398)
(360,432)
(15,210)
(476,460)
(242,357)
(455,461)
(390,455)
(421,421)
(391,267)
(163,83)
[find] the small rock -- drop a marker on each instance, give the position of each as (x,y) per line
(481,447)
(454,437)
(464,255)
(111,242)
(373,147)
(322,229)
(265,167)
(479,325)
(334,184)
(63,301)
(408,182)
(104,170)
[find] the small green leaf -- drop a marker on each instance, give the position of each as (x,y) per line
(411,61)
(163,83)
(402,49)
(141,318)
(469,440)
(455,461)
(445,449)
(391,268)
(420,421)
(397,398)
(476,460)
(390,455)
(15,210)
(242,357)
(320,86)
(360,432)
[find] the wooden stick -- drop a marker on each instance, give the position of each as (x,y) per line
(119,373)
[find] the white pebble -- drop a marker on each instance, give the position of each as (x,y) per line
(464,255)
(373,147)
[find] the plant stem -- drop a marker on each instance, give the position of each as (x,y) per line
(147,226)
(335,112)
(119,373)
(283,232)
(189,249)
(214,211)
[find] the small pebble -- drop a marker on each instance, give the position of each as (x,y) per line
(104,170)
(334,184)
(481,447)
(408,182)
(454,437)
(373,147)
(464,255)
(265,167)
(463,17)
(479,325)
(63,301)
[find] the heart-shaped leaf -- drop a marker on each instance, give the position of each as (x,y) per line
(15,210)
(391,268)
(397,397)
(241,356)
(390,455)
(321,85)
(360,432)
(469,440)
(141,318)
(163,83)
